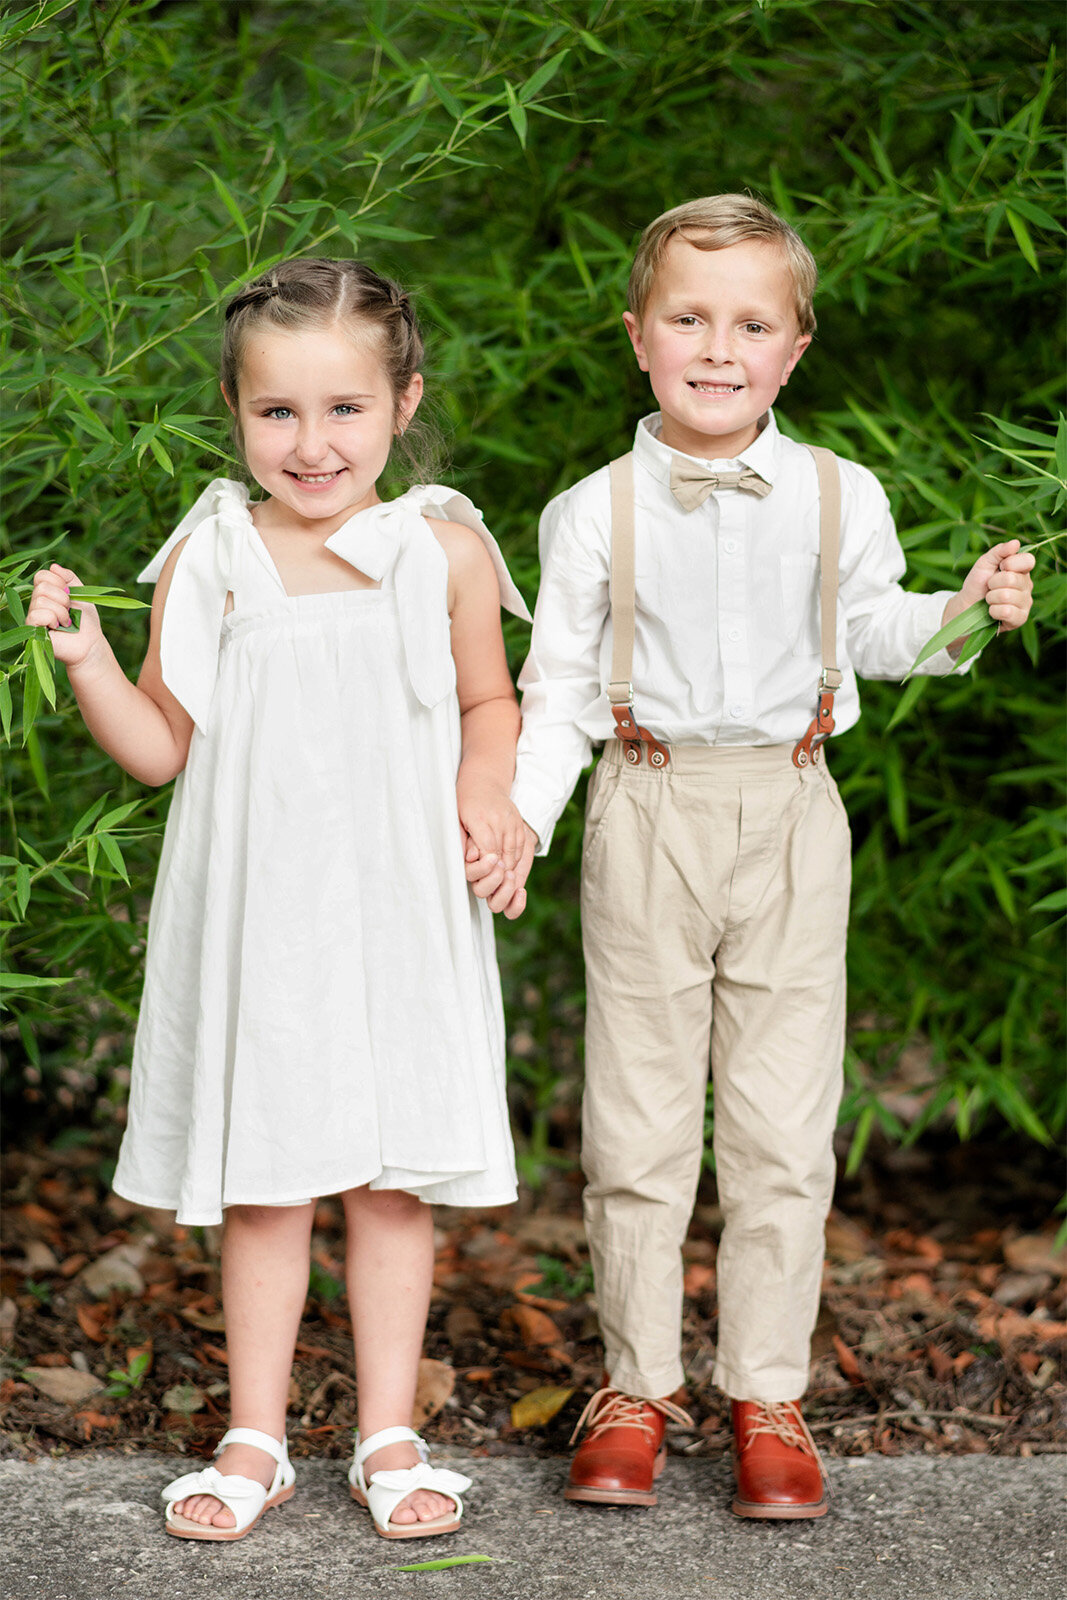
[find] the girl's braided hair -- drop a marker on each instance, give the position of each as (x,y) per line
(316,291)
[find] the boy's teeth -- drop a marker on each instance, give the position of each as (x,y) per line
(717,388)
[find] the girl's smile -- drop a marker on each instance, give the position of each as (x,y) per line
(317,417)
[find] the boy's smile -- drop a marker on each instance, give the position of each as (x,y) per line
(718,338)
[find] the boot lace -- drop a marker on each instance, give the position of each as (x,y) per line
(610,1409)
(783,1419)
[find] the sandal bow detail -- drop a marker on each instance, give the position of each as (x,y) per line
(246,1498)
(386,1489)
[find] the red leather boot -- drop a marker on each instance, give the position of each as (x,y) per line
(623,1453)
(776,1462)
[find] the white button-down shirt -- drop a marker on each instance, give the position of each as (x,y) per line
(727,642)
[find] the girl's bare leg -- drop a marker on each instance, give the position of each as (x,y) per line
(264,1286)
(390,1275)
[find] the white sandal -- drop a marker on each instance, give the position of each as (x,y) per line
(246,1498)
(386,1490)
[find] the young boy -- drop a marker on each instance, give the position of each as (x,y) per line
(716,862)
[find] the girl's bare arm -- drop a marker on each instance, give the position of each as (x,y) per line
(141,726)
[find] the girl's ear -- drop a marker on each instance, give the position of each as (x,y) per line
(227,399)
(408,403)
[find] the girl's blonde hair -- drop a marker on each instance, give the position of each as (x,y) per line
(714,223)
(317,291)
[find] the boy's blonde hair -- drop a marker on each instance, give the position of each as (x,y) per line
(721,220)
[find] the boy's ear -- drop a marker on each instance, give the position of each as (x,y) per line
(633,328)
(798,350)
(229,402)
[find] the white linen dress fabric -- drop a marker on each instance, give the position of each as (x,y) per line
(321,1006)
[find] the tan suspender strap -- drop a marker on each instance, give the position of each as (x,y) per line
(807,749)
(829,559)
(635,739)
(621,589)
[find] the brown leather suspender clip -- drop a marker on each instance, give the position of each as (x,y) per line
(806,751)
(631,735)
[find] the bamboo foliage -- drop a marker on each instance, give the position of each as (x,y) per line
(501,161)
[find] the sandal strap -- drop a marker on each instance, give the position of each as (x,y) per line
(278,1452)
(388,1490)
(243,1496)
(385,1436)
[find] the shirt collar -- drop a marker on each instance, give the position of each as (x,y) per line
(762,455)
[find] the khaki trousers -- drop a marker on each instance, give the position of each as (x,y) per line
(714,914)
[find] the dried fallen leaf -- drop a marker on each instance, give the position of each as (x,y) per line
(538,1407)
(698,1277)
(54,1358)
(65,1384)
(206,1321)
(184,1398)
(435,1384)
(92,1320)
(1036,1252)
(940,1363)
(9,1316)
(532,1326)
(846,1360)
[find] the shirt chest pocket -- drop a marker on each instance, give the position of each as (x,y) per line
(798,578)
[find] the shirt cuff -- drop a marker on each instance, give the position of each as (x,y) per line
(941,665)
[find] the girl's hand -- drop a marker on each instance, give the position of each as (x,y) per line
(503,890)
(488,817)
(1002,579)
(50,607)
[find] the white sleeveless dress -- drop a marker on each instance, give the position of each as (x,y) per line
(321,1005)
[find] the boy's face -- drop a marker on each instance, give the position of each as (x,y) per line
(718,339)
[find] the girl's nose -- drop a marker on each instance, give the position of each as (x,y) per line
(310,444)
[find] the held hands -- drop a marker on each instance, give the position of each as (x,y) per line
(51,606)
(498,847)
(1002,579)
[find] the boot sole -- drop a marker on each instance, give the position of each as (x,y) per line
(769,1513)
(618,1497)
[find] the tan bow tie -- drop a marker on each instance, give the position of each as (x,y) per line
(691,486)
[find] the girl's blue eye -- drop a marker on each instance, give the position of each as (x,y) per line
(280,412)
(347,410)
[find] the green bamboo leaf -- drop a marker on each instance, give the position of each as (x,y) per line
(1002,888)
(544,75)
(37,766)
(22,887)
(1056,901)
(860,1139)
(92,853)
(516,113)
(916,687)
(111,599)
(976,642)
(1022,237)
(201,444)
(88,817)
(119,814)
(31,703)
(975,616)
(28,980)
(439,1566)
(6,708)
(43,668)
(227,199)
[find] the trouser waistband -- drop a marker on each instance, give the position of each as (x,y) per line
(733,759)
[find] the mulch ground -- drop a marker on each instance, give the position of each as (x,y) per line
(943,1326)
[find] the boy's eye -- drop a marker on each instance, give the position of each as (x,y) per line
(687,320)
(755,327)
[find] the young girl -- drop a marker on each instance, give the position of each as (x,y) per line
(321,1013)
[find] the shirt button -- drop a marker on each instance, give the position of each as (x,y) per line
(730,545)
(734,634)
(737,711)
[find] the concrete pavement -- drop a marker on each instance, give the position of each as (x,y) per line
(911,1528)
